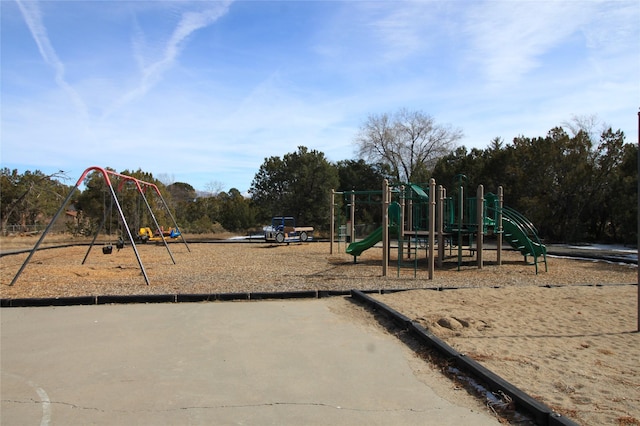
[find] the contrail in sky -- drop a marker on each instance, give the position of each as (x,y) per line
(33,18)
(189,23)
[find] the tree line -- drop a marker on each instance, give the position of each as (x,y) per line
(574,184)
(574,189)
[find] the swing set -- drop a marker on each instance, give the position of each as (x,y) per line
(141,187)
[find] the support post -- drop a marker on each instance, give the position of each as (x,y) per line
(352,218)
(95,235)
(44,233)
(409,217)
(385,227)
(432,225)
(480,222)
(460,219)
(441,197)
(332,224)
(139,186)
(499,224)
(126,226)
(175,224)
(155,222)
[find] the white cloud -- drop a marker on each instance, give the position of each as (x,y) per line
(507,39)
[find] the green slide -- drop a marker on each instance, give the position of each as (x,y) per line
(520,233)
(419,191)
(356,248)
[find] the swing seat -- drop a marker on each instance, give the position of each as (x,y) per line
(107,249)
(120,245)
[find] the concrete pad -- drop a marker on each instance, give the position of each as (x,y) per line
(269,362)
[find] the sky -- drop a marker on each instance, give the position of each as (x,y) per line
(202,92)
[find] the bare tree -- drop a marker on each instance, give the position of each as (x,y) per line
(410,142)
(214,187)
(166,179)
(591,125)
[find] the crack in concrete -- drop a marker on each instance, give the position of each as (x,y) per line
(222,406)
(311,404)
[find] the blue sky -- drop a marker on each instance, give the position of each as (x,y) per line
(203,91)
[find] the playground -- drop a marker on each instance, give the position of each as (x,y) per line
(425,216)
(565,336)
(561,330)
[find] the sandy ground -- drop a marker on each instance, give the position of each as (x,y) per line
(567,336)
(573,348)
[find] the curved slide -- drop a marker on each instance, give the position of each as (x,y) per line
(356,248)
(519,240)
(520,233)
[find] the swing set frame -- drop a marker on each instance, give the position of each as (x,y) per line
(141,187)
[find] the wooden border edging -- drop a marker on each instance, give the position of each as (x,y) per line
(542,414)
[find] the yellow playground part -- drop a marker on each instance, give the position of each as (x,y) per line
(146,234)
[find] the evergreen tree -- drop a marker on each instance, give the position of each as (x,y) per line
(298,184)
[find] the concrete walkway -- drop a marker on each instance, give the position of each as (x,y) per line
(256,363)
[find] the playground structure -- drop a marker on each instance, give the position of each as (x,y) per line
(146,234)
(141,188)
(424,217)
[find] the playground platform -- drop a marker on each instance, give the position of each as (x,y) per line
(268,362)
